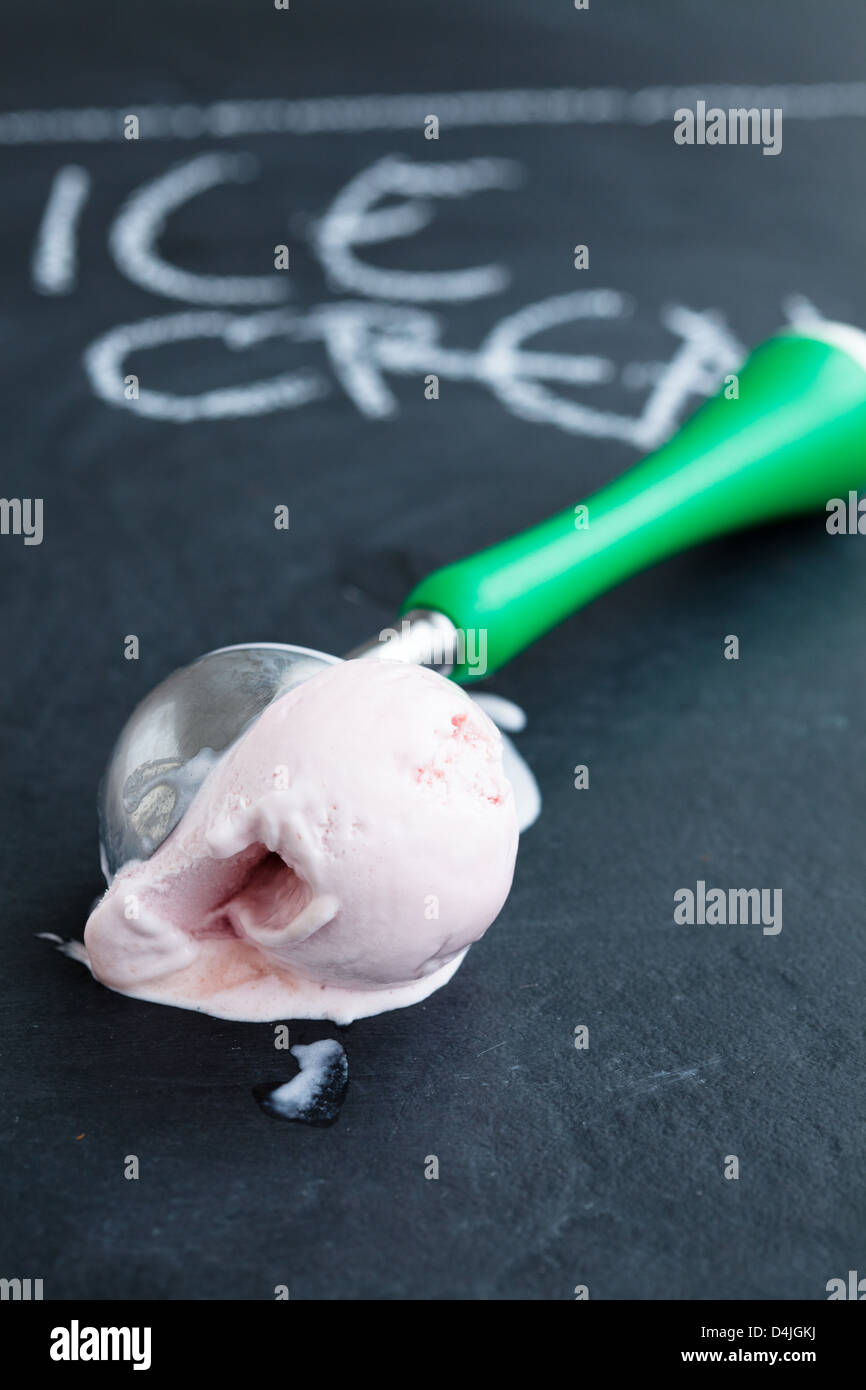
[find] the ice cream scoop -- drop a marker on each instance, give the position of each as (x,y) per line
(337,861)
(786,435)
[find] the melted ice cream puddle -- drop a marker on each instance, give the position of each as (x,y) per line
(315,1096)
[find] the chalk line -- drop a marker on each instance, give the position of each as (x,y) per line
(223,120)
(54,263)
(140,222)
(104,359)
(353,220)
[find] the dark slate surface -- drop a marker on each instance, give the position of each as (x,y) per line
(557,1167)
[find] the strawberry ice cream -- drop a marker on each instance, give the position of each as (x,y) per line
(338,861)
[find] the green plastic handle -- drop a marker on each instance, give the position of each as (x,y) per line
(791,439)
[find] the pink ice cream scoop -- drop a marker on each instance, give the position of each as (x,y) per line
(338,860)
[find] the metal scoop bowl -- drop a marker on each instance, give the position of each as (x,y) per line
(183,727)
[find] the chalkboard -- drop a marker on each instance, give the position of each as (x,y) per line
(168,385)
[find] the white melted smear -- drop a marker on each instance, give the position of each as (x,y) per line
(75,950)
(511,718)
(315,1095)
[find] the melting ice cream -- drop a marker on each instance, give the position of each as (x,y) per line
(338,861)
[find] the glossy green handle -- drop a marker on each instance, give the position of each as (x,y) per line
(794,437)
